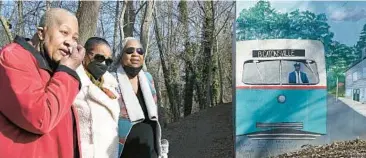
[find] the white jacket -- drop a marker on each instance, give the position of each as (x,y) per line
(98,117)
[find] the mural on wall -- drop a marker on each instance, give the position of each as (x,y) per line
(292,59)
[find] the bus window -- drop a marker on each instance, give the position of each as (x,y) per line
(267,72)
(261,72)
(307,69)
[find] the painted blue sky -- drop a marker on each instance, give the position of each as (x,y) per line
(345,18)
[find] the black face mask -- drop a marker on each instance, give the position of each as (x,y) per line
(97,69)
(132,71)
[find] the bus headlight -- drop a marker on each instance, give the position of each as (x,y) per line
(281,98)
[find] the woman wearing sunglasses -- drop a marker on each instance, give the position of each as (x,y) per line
(97,104)
(139,129)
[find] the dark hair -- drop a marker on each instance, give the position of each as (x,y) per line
(93,41)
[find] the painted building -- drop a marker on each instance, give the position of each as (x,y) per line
(355,83)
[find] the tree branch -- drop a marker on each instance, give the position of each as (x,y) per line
(138,10)
(223,25)
(4,22)
(230,6)
(202,8)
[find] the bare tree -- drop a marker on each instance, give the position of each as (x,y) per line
(87,15)
(129,19)
(207,47)
(122,22)
(5,25)
(116,23)
(20,23)
(174,107)
(145,28)
(188,58)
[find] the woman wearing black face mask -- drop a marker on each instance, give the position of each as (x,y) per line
(139,129)
(97,102)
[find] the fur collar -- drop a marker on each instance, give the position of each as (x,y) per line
(96,94)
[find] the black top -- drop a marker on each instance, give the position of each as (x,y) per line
(75,136)
(140,141)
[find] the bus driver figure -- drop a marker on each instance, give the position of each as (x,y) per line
(297,76)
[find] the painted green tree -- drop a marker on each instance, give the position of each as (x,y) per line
(361,43)
(264,22)
(261,22)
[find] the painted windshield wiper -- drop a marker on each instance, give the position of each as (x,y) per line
(280,76)
(309,67)
(260,75)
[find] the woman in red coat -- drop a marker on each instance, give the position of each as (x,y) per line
(38,85)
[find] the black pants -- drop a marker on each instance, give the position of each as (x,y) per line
(142,152)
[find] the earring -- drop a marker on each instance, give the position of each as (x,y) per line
(40,37)
(41,46)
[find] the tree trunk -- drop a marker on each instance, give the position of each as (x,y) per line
(20,25)
(215,76)
(200,94)
(158,91)
(129,18)
(5,24)
(189,78)
(115,32)
(161,110)
(208,28)
(221,96)
(1,5)
(145,28)
(166,72)
(121,21)
(87,14)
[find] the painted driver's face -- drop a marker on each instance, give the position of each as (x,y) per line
(297,68)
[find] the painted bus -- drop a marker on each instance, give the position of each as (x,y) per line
(281,89)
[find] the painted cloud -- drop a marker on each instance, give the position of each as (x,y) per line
(349,14)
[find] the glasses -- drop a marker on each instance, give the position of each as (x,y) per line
(130,50)
(101,58)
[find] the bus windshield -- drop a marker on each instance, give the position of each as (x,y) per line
(278,72)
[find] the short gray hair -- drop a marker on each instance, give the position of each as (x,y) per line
(51,15)
(118,58)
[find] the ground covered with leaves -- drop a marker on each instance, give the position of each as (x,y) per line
(352,148)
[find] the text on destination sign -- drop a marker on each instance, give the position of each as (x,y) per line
(279,53)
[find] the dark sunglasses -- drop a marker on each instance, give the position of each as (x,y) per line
(101,58)
(130,50)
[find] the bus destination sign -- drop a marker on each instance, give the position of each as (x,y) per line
(279,53)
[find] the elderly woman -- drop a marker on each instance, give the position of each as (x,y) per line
(97,103)
(139,129)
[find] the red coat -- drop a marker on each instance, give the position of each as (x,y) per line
(36,116)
